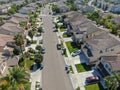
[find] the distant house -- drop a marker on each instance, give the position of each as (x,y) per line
(11,29)
(4,8)
(30,8)
(5,43)
(62,7)
(101,44)
(115,9)
(87,9)
(6,64)
(108,64)
(18,19)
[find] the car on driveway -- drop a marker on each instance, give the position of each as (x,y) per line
(75,53)
(92,79)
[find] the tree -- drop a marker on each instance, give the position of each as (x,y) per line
(14,8)
(39,48)
(31,34)
(38,58)
(40,29)
(113,81)
(19,41)
(94,15)
(55,9)
(15,80)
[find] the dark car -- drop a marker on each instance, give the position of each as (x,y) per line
(92,79)
(59,46)
(41,66)
(43,50)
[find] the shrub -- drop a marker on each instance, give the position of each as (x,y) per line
(16,51)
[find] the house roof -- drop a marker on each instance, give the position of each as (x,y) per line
(71,15)
(92,28)
(17,20)
(11,27)
(5,38)
(13,61)
(20,15)
(113,61)
(101,44)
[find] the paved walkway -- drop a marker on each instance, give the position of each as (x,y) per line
(35,76)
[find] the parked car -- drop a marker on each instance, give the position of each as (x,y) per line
(41,66)
(55,30)
(59,46)
(43,50)
(92,79)
(37,85)
(75,53)
(41,41)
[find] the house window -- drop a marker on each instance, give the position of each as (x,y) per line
(108,67)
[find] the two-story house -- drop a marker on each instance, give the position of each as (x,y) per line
(101,44)
(108,64)
(4,8)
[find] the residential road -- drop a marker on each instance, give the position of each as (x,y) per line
(54,76)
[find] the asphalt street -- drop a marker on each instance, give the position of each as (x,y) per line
(54,76)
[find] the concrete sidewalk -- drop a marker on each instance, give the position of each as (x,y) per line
(75,78)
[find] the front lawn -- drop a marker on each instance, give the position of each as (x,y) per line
(96,86)
(64,35)
(77,88)
(71,70)
(71,47)
(82,67)
(92,87)
(62,29)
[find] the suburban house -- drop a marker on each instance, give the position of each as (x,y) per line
(7,63)
(99,45)
(4,8)
(11,29)
(62,7)
(108,64)
(28,9)
(12,61)
(7,44)
(115,9)
(18,19)
(18,2)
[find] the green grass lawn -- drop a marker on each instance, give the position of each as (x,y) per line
(71,47)
(28,63)
(82,67)
(64,36)
(66,54)
(62,29)
(77,88)
(96,86)
(71,70)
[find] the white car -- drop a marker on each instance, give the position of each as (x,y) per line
(75,53)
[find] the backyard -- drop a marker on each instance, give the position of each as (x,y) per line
(82,67)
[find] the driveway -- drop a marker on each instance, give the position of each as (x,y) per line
(54,75)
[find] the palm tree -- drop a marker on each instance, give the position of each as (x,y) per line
(15,80)
(31,34)
(113,81)
(19,41)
